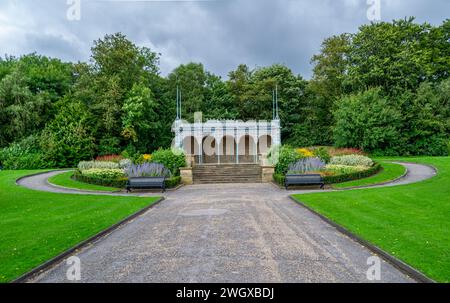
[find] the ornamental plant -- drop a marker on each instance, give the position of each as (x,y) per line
(172,161)
(85,165)
(286,156)
(147,170)
(352,160)
(109,158)
(322,153)
(304,152)
(144,158)
(103,173)
(306,165)
(345,151)
(343,169)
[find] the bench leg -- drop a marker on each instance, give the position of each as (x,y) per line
(322,185)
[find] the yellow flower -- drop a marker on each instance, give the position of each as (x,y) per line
(147,157)
(305,152)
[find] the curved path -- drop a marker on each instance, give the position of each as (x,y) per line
(415,173)
(226,233)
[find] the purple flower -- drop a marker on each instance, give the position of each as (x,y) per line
(147,170)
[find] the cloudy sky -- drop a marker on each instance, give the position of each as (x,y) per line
(219,33)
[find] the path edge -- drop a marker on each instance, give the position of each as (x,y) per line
(397,263)
(57,259)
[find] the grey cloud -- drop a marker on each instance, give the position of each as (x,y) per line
(221,34)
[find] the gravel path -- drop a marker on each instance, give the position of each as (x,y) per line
(226,233)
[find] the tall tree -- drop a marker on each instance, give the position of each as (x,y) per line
(115,55)
(191,79)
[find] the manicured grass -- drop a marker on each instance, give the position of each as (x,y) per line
(36,226)
(411,222)
(65,180)
(391,171)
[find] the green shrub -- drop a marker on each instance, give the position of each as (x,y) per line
(85,165)
(109,146)
(367,120)
(68,138)
(104,173)
(24,154)
(173,181)
(279,178)
(287,155)
(350,176)
(352,160)
(117,183)
(170,160)
(322,153)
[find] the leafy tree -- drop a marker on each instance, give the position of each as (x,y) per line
(367,121)
(45,74)
(140,121)
(238,85)
(397,56)
(21,112)
(428,128)
(218,100)
(68,139)
(325,87)
(191,79)
(115,55)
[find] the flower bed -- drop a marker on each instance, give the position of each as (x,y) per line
(339,178)
(114,171)
(334,169)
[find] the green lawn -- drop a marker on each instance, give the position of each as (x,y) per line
(36,226)
(391,171)
(65,180)
(411,222)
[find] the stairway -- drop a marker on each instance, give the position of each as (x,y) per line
(227,173)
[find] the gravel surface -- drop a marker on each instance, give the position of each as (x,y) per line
(225,233)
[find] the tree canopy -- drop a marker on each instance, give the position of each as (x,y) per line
(384,89)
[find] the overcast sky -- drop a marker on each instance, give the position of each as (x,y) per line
(219,33)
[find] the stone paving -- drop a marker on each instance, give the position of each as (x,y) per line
(225,233)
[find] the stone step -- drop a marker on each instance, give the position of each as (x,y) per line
(227,173)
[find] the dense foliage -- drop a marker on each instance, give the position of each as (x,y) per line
(384,89)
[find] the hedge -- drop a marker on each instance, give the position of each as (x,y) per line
(279,178)
(353,176)
(119,183)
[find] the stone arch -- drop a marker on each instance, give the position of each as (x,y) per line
(209,149)
(264,144)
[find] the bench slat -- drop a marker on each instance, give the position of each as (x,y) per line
(311,179)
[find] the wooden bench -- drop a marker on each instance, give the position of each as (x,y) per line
(312,179)
(146,183)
